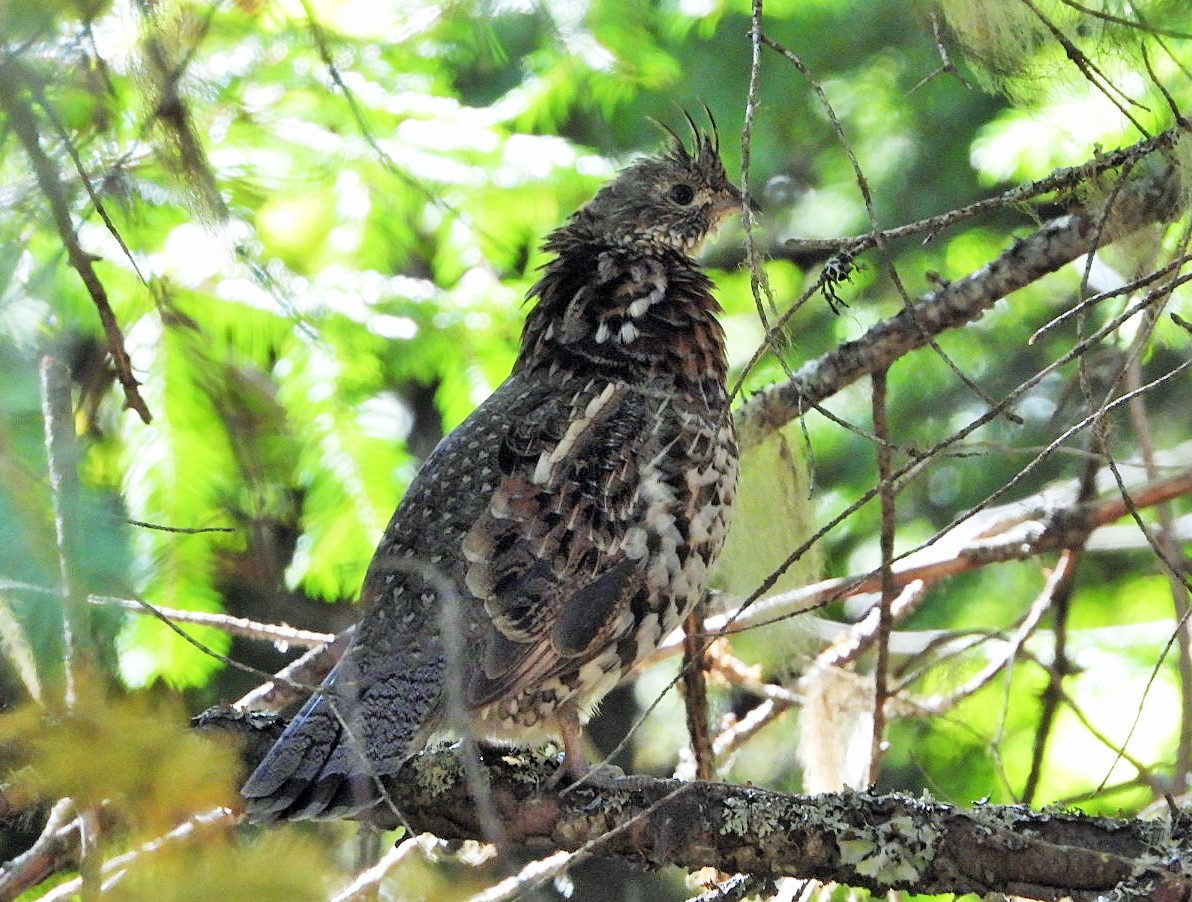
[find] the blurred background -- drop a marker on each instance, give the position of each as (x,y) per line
(315,224)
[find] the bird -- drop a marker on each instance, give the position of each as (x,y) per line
(556,536)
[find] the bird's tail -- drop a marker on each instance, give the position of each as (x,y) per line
(351,733)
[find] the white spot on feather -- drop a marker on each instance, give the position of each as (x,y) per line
(657,282)
(542,469)
(600,400)
(648,635)
(547,459)
(634,544)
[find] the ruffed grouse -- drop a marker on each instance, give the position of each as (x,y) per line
(564,528)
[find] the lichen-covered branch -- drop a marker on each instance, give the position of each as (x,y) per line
(1144,201)
(858,839)
(854,838)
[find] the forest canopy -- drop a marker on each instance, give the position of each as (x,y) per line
(257,258)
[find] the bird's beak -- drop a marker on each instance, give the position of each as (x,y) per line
(731,203)
(751,202)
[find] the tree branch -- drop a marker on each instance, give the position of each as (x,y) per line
(21,119)
(62,458)
(859,839)
(279,634)
(1145,201)
(1013,532)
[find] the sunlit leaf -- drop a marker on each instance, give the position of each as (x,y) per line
(134,753)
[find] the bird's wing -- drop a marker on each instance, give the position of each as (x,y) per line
(383,699)
(558,555)
(535,490)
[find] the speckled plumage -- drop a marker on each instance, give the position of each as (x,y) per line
(564,528)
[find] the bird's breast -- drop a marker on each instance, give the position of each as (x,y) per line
(686,501)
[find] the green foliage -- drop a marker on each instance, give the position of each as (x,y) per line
(771,518)
(222,867)
(134,753)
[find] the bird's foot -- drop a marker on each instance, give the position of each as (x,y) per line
(574,770)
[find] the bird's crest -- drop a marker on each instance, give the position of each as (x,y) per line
(705,145)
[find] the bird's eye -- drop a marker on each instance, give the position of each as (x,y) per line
(682,194)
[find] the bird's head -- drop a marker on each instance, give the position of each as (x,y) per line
(622,294)
(674,200)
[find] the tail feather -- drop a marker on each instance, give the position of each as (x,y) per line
(352,732)
(300,776)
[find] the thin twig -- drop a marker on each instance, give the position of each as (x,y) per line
(1145,774)
(54,848)
(1170,563)
(1090,70)
(84,179)
(759,280)
(297,679)
(1059,600)
(861,635)
(695,693)
(1128,288)
(1065,179)
(114,867)
(533,874)
(940,704)
(62,455)
(881,428)
(1138,24)
(366,883)
(186,530)
(319,36)
(1045,527)
(946,65)
(953,305)
(279,634)
(23,123)
(1074,353)
(879,240)
(741,730)
(1171,554)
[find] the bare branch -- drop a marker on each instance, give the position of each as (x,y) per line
(54,850)
(20,117)
(298,678)
(881,428)
(1015,532)
(695,693)
(1060,576)
(233,626)
(113,870)
(366,884)
(1143,202)
(1089,69)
